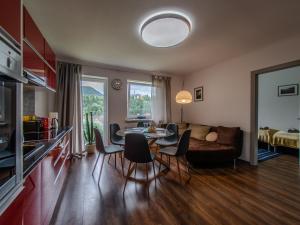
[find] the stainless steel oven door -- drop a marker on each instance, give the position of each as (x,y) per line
(2,99)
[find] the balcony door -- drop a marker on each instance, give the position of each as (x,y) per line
(94,101)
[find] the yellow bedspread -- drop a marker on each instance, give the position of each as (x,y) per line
(266,136)
(290,140)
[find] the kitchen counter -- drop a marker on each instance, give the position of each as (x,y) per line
(42,148)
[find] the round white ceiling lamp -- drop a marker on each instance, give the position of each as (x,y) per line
(165,29)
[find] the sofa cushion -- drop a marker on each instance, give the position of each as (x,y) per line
(199,132)
(211,136)
(200,145)
(227,135)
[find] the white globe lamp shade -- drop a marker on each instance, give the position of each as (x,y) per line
(184,97)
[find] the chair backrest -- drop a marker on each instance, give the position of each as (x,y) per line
(172,127)
(137,148)
(140,124)
(99,141)
(183,144)
(113,129)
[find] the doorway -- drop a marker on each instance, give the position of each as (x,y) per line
(94,102)
(275,114)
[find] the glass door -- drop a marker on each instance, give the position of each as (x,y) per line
(94,104)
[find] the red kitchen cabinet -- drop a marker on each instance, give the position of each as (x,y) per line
(32,62)
(32,33)
(26,209)
(50,56)
(36,203)
(10,18)
(51,77)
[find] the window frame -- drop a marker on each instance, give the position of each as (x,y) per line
(146,83)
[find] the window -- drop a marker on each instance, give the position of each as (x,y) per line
(139,100)
(94,101)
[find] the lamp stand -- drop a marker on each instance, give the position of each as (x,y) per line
(181,114)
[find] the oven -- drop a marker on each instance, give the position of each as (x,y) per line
(10,119)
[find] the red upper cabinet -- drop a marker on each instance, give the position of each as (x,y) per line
(32,62)
(32,33)
(10,18)
(50,56)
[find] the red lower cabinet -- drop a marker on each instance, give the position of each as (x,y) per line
(36,203)
(26,209)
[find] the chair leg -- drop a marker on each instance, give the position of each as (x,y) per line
(127,177)
(187,167)
(161,158)
(115,160)
(96,163)
(135,165)
(154,172)
(101,168)
(234,164)
(178,168)
(109,158)
(169,161)
(147,172)
(122,163)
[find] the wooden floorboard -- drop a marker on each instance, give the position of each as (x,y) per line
(267,194)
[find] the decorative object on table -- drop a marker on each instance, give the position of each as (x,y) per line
(88,132)
(54,120)
(116,84)
(198,94)
(151,129)
(288,90)
(183,97)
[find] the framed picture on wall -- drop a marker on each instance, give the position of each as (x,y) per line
(288,90)
(198,94)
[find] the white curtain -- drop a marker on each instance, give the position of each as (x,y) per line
(161,102)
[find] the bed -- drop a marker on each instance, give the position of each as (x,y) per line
(285,139)
(266,136)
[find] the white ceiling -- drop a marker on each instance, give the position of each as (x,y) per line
(106,31)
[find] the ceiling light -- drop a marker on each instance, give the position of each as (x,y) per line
(165,29)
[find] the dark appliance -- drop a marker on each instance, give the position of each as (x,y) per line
(10,119)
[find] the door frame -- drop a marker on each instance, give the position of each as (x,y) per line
(254,104)
(105,90)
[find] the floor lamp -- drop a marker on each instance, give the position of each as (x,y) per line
(183,97)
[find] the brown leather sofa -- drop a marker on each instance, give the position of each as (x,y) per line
(227,147)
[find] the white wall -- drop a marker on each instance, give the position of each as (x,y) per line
(278,112)
(117,100)
(227,87)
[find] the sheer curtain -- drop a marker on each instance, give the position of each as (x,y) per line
(69,103)
(161,99)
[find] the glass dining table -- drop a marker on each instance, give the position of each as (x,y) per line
(151,137)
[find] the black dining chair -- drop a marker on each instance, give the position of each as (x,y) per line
(108,150)
(140,124)
(137,151)
(178,152)
(170,140)
(115,139)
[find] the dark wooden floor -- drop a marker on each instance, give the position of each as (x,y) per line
(268,194)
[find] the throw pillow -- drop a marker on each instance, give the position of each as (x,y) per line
(211,136)
(227,135)
(199,132)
